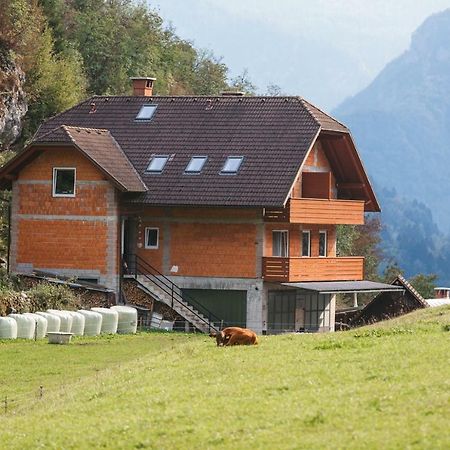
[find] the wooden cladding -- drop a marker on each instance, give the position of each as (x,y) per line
(319,211)
(313,269)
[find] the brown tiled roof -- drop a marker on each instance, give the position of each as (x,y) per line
(102,149)
(326,122)
(273,134)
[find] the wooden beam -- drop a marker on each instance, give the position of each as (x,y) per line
(351,185)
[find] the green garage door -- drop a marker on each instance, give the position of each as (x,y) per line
(230,306)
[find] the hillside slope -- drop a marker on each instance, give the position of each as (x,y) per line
(383,386)
(401,120)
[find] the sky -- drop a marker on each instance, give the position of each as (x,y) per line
(323,50)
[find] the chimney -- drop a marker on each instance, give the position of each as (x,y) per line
(143,86)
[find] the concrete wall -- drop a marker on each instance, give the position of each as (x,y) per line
(72,236)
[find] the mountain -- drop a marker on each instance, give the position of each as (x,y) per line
(401,123)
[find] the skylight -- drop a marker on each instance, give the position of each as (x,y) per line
(157,164)
(146,112)
(196,164)
(232,164)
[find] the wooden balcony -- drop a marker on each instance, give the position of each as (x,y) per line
(313,269)
(319,211)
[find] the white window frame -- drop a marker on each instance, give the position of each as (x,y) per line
(195,172)
(54,194)
(149,171)
(325,233)
(309,243)
(287,243)
(232,172)
(151,247)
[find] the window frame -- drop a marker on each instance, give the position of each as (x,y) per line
(228,172)
(157,172)
(324,233)
(287,243)
(145,119)
(151,247)
(54,171)
(309,244)
(196,172)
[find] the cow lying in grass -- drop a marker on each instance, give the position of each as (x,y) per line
(235,336)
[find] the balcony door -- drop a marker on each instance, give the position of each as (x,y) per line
(280,243)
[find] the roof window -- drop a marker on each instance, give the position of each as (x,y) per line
(157,163)
(232,164)
(196,164)
(146,112)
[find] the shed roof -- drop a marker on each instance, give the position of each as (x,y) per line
(334,287)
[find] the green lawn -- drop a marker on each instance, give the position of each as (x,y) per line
(385,386)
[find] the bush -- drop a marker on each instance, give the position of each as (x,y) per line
(52,296)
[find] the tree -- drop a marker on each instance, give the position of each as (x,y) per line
(424,284)
(391,271)
(362,240)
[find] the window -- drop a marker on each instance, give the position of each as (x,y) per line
(151,237)
(232,164)
(196,164)
(280,243)
(146,112)
(322,243)
(306,243)
(157,164)
(63,182)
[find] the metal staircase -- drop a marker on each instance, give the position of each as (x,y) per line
(164,290)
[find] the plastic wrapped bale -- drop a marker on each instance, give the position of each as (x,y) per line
(26,326)
(41,325)
(8,328)
(66,320)
(110,319)
(127,319)
(78,323)
(93,322)
(53,321)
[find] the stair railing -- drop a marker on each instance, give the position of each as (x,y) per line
(135,265)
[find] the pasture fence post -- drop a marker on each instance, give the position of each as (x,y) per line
(41,391)
(35,330)
(6,403)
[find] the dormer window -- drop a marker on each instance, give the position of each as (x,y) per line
(157,164)
(64,181)
(232,165)
(196,164)
(146,112)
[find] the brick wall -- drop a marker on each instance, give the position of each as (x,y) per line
(73,236)
(205,242)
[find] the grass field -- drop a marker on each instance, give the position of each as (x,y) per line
(385,386)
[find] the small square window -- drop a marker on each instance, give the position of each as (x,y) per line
(157,164)
(151,237)
(232,164)
(196,164)
(146,112)
(63,182)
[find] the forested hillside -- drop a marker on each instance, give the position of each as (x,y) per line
(57,52)
(401,125)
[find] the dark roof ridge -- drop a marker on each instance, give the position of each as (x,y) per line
(49,133)
(224,97)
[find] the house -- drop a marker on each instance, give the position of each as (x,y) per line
(223,207)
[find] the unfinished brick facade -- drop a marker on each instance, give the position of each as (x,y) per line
(74,236)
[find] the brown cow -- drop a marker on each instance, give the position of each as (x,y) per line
(235,336)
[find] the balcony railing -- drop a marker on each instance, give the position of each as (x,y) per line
(318,211)
(313,269)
